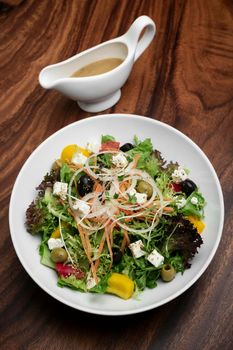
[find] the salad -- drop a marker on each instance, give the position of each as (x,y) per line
(116,218)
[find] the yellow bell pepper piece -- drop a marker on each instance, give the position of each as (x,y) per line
(68,152)
(120,285)
(200,225)
(85,152)
(56,233)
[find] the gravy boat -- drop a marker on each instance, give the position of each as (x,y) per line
(98,92)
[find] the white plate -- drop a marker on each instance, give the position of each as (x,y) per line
(174,146)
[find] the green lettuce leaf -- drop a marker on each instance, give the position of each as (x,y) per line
(139,270)
(46,256)
(141,148)
(194,209)
(147,162)
(150,165)
(101,287)
(106,138)
(72,282)
(65,173)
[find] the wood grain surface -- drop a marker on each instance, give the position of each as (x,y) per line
(185,78)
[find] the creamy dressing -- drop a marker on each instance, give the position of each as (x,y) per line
(98,67)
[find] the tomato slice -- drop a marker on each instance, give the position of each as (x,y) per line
(67,270)
(176,187)
(110,146)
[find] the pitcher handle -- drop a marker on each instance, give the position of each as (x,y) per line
(134,32)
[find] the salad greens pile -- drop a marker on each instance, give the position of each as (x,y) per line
(111,211)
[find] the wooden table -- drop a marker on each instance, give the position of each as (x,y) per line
(185,79)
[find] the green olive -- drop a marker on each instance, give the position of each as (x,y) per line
(168,273)
(59,255)
(144,187)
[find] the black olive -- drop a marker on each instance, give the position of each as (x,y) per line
(126,147)
(117,255)
(188,186)
(85,185)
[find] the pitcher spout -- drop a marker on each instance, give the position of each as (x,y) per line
(46,79)
(49,76)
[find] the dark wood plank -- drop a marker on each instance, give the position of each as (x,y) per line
(185,79)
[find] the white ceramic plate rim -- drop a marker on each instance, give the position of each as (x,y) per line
(144,308)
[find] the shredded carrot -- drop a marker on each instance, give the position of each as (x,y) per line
(108,231)
(101,219)
(98,187)
(125,242)
(85,243)
(87,248)
(111,232)
(124,185)
(108,236)
(168,209)
(127,212)
(121,200)
(116,211)
(135,160)
(128,220)
(101,247)
(127,237)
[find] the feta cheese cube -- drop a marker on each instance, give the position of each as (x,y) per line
(131,192)
(55,243)
(119,160)
(141,198)
(194,200)
(136,250)
(60,189)
(180,202)
(179,175)
(155,258)
(93,147)
(79,159)
(82,207)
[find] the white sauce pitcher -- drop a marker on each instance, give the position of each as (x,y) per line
(98,92)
